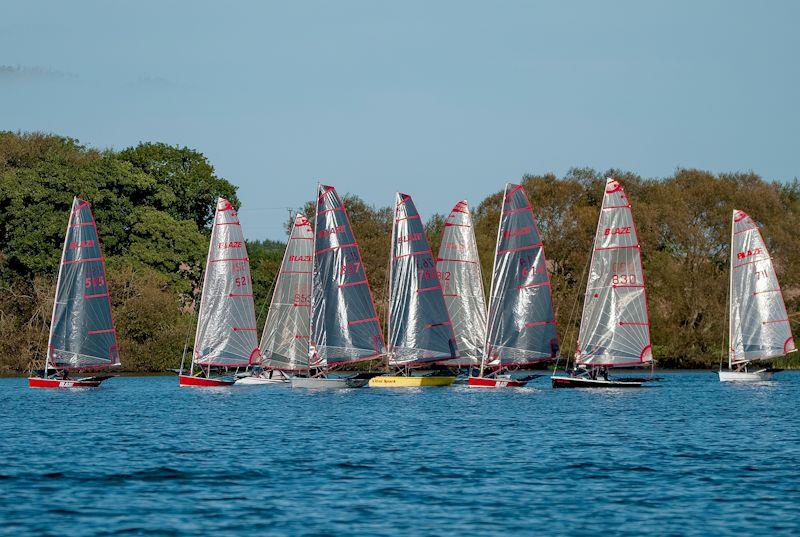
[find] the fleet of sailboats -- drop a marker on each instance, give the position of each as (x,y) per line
(322,319)
(758,326)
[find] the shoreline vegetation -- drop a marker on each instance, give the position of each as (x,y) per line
(154,204)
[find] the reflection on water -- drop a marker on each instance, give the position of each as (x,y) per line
(688,455)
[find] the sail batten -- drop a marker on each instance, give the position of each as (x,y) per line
(226,323)
(521,322)
(759,326)
(615,324)
(344,323)
(419,325)
(82,332)
(284,342)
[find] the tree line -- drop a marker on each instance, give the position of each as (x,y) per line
(154,205)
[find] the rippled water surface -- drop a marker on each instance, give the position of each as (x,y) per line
(140,455)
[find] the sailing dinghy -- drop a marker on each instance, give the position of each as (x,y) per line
(459,271)
(521,324)
(284,342)
(758,327)
(344,325)
(615,326)
(419,327)
(82,333)
(226,323)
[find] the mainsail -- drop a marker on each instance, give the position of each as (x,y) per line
(82,332)
(284,343)
(459,271)
(615,327)
(419,325)
(759,325)
(522,325)
(344,323)
(226,324)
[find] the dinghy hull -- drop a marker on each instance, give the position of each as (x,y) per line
(385,381)
(38,382)
(322,383)
(484,382)
(582,382)
(747,376)
(185,381)
(260,381)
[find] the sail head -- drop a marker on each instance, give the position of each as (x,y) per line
(615,325)
(522,325)
(226,323)
(82,332)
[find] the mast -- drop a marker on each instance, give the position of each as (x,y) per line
(284,342)
(730,293)
(420,330)
(226,323)
(615,325)
(459,271)
(759,324)
(521,328)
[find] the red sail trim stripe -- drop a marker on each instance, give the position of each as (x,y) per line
(227,224)
(616,247)
(303,238)
(616,207)
(82,224)
(767,291)
(530,285)
(421,252)
(513,191)
(323,211)
(301,336)
(351,284)
(459,211)
(425,289)
(325,189)
(243,329)
(240,294)
(80,206)
(450,294)
(434,325)
(330,248)
(403,200)
(448,224)
(221,259)
(360,321)
(301,305)
(454,260)
(539,323)
(517,210)
(753,261)
(623,323)
(775,321)
(412,217)
(98,295)
(520,249)
(85,260)
(106,331)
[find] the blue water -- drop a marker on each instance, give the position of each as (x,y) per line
(140,456)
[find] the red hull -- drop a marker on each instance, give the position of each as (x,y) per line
(199,382)
(38,382)
(484,382)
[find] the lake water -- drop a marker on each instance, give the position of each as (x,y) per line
(139,455)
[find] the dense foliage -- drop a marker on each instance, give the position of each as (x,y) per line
(154,203)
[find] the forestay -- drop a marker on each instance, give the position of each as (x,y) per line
(615,326)
(82,332)
(419,325)
(522,325)
(759,326)
(284,342)
(344,323)
(226,324)
(459,271)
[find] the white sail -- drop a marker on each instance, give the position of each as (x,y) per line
(284,342)
(759,326)
(615,326)
(462,284)
(226,323)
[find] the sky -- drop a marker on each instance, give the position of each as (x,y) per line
(442,100)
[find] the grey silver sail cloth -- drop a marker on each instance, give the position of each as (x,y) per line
(615,326)
(284,342)
(759,325)
(459,271)
(419,325)
(522,325)
(82,332)
(344,323)
(226,324)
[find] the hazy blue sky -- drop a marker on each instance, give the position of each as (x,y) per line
(442,100)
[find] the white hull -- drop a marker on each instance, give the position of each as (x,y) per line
(746,376)
(322,383)
(257,381)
